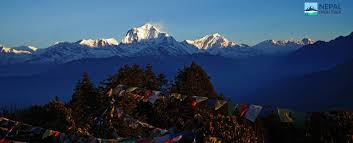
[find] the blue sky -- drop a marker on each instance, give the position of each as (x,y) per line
(42,22)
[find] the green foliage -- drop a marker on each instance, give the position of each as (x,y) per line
(193,81)
(89,102)
(136,76)
(54,115)
(61,116)
(85,101)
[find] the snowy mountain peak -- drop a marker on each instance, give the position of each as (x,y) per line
(144,33)
(307,41)
(18,50)
(211,41)
(216,35)
(98,43)
(281,47)
(26,48)
(304,41)
(33,48)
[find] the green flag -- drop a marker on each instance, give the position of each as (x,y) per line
(285,115)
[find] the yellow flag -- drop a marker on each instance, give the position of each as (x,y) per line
(219,104)
(286,115)
(214,140)
(110,92)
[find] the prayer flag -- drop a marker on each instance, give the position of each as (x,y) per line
(193,103)
(46,134)
(119,88)
(121,93)
(174,138)
(154,96)
(131,89)
(214,140)
(176,96)
(199,98)
(161,139)
(285,115)
(253,112)
(219,104)
(147,94)
(243,108)
(110,93)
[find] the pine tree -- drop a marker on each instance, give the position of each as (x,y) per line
(135,76)
(85,101)
(54,115)
(193,81)
(61,116)
(149,78)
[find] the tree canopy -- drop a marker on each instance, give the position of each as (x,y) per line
(193,81)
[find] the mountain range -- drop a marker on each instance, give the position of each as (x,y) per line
(285,73)
(147,40)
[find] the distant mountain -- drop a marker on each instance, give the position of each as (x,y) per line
(98,43)
(281,47)
(147,33)
(149,40)
(337,50)
(146,40)
(217,44)
(212,41)
(17,50)
(319,90)
(15,54)
(283,80)
(63,52)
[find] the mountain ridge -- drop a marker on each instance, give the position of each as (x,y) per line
(149,40)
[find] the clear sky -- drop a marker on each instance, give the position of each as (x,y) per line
(42,22)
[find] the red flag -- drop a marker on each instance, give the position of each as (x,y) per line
(193,103)
(147,94)
(243,109)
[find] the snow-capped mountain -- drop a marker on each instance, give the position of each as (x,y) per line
(18,50)
(63,52)
(15,54)
(145,33)
(281,47)
(211,41)
(149,40)
(146,40)
(98,43)
(217,44)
